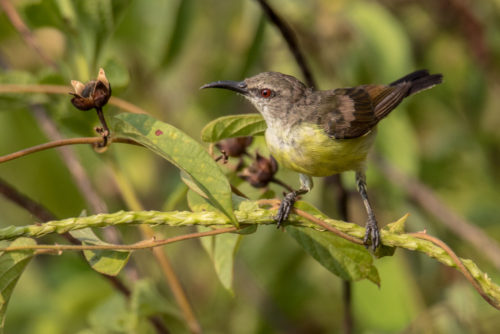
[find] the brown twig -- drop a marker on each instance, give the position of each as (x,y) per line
(328,227)
(426,198)
(104,131)
(281,183)
(60,89)
(276,202)
(459,264)
(25,33)
(62,142)
(291,41)
(143,244)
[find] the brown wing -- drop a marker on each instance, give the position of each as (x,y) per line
(346,112)
(352,112)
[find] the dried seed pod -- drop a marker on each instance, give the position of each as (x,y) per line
(93,94)
(235,147)
(260,172)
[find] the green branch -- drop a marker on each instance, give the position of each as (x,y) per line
(392,234)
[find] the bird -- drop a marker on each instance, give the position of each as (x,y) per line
(320,133)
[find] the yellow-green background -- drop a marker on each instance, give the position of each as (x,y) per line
(158,53)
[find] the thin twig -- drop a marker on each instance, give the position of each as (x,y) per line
(25,33)
(291,41)
(60,89)
(328,227)
(281,183)
(63,142)
(143,244)
(275,203)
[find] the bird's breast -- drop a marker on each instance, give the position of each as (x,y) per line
(307,149)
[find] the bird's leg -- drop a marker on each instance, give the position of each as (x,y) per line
(288,201)
(372,232)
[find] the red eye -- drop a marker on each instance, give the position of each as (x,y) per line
(266,93)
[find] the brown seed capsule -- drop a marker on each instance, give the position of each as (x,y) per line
(235,147)
(260,172)
(94,94)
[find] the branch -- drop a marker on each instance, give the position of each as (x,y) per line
(60,89)
(291,41)
(391,235)
(62,142)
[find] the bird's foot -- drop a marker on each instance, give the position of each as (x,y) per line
(285,208)
(372,234)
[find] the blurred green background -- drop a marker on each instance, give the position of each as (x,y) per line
(156,55)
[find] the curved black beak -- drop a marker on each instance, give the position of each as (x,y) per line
(237,86)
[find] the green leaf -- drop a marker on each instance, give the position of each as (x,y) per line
(108,262)
(349,261)
(182,151)
(220,248)
(12,265)
(233,126)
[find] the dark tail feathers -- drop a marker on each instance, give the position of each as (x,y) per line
(420,80)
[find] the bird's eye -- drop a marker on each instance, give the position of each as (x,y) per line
(266,93)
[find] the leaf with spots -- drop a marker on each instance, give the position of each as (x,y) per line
(183,152)
(233,126)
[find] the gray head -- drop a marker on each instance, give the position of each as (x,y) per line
(269,92)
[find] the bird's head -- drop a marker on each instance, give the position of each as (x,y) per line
(272,93)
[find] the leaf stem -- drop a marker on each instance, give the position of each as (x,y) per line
(143,244)
(63,142)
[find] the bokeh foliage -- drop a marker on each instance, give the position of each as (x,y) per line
(157,54)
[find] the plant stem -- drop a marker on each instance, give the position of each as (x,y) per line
(62,142)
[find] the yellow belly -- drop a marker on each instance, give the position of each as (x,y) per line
(308,149)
